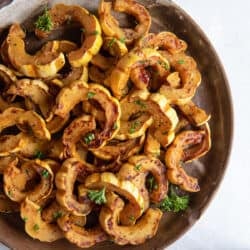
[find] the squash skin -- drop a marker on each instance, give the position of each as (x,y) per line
(179,152)
(35,226)
(144,228)
(40,65)
(60,13)
(111,27)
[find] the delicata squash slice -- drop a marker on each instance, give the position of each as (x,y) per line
(124,188)
(92,93)
(65,180)
(78,234)
(41,65)
(187,146)
(16,116)
(92,42)
(16,179)
(120,75)
(35,226)
(145,228)
(111,27)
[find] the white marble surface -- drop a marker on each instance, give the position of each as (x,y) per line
(226,223)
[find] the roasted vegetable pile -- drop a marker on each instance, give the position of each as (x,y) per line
(95,135)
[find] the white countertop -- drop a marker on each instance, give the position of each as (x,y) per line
(226,223)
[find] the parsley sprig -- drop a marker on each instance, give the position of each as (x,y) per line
(173,202)
(97,196)
(44,22)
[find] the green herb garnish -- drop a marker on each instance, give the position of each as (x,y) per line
(96,32)
(97,196)
(10,194)
(138,167)
(151,183)
(181,61)
(45,173)
(131,218)
(111,42)
(39,209)
(165,65)
(140,103)
(89,137)
(173,202)
(39,155)
(90,95)
(134,126)
(25,219)
(82,30)
(115,125)
(57,215)
(44,21)
(122,40)
(36,227)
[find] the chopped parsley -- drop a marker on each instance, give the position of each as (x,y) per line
(140,103)
(151,183)
(57,215)
(138,167)
(10,194)
(96,32)
(89,137)
(165,65)
(115,125)
(134,126)
(97,196)
(39,155)
(173,202)
(181,61)
(90,95)
(39,209)
(36,227)
(122,40)
(25,219)
(45,173)
(111,42)
(44,21)
(131,218)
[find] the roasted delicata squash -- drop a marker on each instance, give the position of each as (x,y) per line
(78,235)
(41,65)
(96,131)
(164,40)
(187,146)
(36,91)
(94,93)
(190,78)
(35,226)
(123,187)
(16,179)
(65,179)
(92,42)
(145,228)
(111,27)
(120,75)
(16,116)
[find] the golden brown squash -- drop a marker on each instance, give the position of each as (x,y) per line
(36,91)
(65,180)
(77,129)
(111,27)
(145,228)
(194,114)
(92,42)
(123,149)
(41,65)
(79,235)
(7,75)
(151,146)
(92,93)
(15,181)
(4,163)
(115,47)
(136,171)
(120,75)
(123,187)
(190,78)
(163,40)
(35,226)
(187,146)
